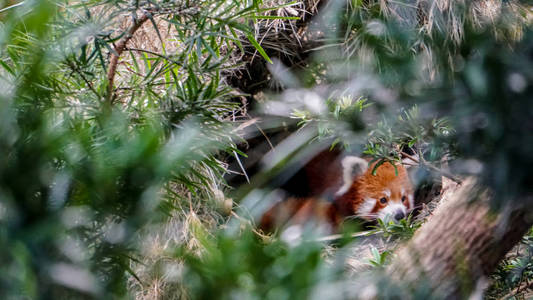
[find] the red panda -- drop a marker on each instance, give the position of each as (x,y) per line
(345,187)
(387,195)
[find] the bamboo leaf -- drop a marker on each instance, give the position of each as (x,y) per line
(258,48)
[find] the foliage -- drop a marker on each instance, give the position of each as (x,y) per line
(480,83)
(402,230)
(242,265)
(379,259)
(83,176)
(515,272)
(427,136)
(340,112)
(94,155)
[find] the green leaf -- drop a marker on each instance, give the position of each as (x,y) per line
(258,47)
(377,165)
(7,67)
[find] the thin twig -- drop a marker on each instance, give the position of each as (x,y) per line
(422,161)
(87,82)
(119,48)
(154,54)
(444,173)
(266,137)
(140,86)
(515,291)
(410,157)
(241,166)
(353,235)
(12,6)
(233,213)
(409,164)
(134,72)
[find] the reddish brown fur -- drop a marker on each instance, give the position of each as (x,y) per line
(372,186)
(324,173)
(299,211)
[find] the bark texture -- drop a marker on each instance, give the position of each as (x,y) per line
(461,243)
(119,48)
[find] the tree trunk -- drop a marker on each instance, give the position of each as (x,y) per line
(461,243)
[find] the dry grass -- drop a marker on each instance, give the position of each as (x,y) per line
(443,18)
(159,270)
(287,37)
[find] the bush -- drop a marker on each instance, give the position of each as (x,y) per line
(109,147)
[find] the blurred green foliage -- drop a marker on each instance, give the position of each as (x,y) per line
(402,230)
(243,266)
(80,178)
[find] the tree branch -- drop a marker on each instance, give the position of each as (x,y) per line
(432,167)
(461,243)
(119,48)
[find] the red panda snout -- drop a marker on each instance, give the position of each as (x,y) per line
(383,209)
(392,212)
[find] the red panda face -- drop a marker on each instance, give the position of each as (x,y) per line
(384,196)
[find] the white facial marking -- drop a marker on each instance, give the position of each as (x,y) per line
(403,192)
(387,192)
(366,207)
(388,213)
(411,201)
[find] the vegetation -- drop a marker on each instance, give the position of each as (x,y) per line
(512,276)
(119,121)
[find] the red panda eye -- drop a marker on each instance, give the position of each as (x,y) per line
(404,199)
(383,200)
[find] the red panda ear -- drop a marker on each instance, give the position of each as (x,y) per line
(352,166)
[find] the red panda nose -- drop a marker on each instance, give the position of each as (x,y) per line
(399,215)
